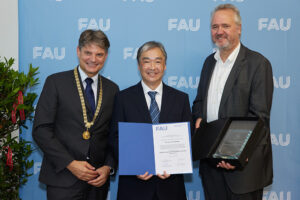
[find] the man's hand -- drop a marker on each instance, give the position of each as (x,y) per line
(197,123)
(82,170)
(145,176)
(225,165)
(103,173)
(164,176)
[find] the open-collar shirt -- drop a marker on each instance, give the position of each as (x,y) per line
(218,81)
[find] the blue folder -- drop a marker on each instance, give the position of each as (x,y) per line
(136,150)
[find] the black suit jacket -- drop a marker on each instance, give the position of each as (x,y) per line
(248,92)
(131,106)
(58,127)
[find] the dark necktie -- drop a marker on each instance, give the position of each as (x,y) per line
(154,111)
(90,94)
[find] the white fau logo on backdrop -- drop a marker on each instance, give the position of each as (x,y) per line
(273,195)
(49,53)
(93,23)
(183,24)
(183,82)
(130,52)
(281,139)
(36,167)
(274,24)
(282,82)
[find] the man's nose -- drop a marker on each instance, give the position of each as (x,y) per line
(93,58)
(220,30)
(152,64)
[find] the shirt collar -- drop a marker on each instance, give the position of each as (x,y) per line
(147,89)
(231,57)
(83,75)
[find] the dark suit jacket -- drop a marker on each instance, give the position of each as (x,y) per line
(58,127)
(248,92)
(131,106)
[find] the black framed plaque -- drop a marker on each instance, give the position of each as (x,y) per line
(232,140)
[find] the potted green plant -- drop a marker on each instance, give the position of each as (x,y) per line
(16,107)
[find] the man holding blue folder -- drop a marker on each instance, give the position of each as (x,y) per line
(150,101)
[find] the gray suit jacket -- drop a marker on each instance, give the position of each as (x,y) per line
(58,127)
(248,92)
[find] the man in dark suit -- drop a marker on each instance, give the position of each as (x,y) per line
(71,125)
(133,105)
(235,82)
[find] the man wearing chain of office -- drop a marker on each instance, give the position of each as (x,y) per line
(71,125)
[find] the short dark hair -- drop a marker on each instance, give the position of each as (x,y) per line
(96,37)
(151,45)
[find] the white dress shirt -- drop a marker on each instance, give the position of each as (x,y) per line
(94,84)
(218,81)
(158,95)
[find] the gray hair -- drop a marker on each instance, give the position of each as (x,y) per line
(96,37)
(237,16)
(151,45)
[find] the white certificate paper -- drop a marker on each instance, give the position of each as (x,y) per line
(172,150)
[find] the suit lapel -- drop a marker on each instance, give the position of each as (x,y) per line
(104,90)
(166,104)
(234,74)
(141,104)
(210,70)
(77,102)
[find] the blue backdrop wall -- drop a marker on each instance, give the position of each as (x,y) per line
(49,32)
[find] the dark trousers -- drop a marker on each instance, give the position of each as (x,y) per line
(216,188)
(79,191)
(132,188)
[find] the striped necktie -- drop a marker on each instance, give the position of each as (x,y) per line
(154,111)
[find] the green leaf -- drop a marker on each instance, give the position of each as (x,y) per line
(11,82)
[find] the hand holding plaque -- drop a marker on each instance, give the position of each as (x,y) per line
(231,140)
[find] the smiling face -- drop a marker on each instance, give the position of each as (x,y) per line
(152,66)
(91,59)
(225,32)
